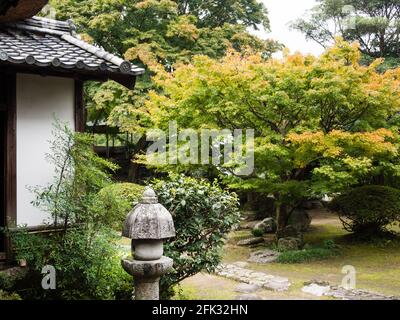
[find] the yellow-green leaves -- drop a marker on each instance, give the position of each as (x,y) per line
(321,123)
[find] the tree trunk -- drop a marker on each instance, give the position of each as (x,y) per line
(133,174)
(281,216)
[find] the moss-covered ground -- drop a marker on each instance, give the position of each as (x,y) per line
(377,264)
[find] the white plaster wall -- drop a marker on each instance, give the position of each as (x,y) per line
(38,100)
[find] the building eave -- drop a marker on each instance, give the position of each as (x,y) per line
(49,46)
(15,10)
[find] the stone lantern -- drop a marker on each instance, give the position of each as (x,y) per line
(148,224)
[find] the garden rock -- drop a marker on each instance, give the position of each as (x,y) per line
(277,284)
(250,241)
(290,243)
(263,256)
(268,225)
(289,232)
(316,289)
(318,282)
(250,225)
(300,219)
(246,288)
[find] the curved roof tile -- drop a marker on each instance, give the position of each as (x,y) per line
(44,42)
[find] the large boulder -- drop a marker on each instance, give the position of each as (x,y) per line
(268,225)
(300,219)
(288,231)
(290,243)
(249,225)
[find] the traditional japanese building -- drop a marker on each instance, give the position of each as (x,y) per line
(43,65)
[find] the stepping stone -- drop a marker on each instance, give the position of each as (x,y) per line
(250,241)
(316,289)
(248,297)
(246,288)
(257,279)
(276,286)
(263,256)
(241,264)
(349,294)
(318,282)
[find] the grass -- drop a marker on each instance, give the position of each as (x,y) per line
(306,255)
(206,287)
(377,264)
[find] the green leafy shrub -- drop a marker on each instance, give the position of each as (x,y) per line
(368,210)
(87,265)
(6,282)
(115,201)
(84,251)
(9,296)
(257,232)
(329,244)
(305,255)
(327,250)
(203,213)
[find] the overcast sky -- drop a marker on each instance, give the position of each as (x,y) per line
(281,13)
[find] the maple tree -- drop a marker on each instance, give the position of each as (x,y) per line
(321,124)
(155,34)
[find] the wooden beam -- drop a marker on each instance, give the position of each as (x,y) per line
(80,117)
(11,147)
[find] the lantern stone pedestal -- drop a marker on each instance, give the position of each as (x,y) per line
(148,224)
(147,276)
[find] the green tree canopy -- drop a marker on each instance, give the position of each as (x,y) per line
(166,31)
(321,124)
(156,34)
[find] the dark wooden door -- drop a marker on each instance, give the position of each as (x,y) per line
(3,152)
(3,122)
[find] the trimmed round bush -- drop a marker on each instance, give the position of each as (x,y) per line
(368,210)
(115,201)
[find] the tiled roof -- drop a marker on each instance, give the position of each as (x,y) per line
(49,43)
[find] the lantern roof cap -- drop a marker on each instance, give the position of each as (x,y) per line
(149,220)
